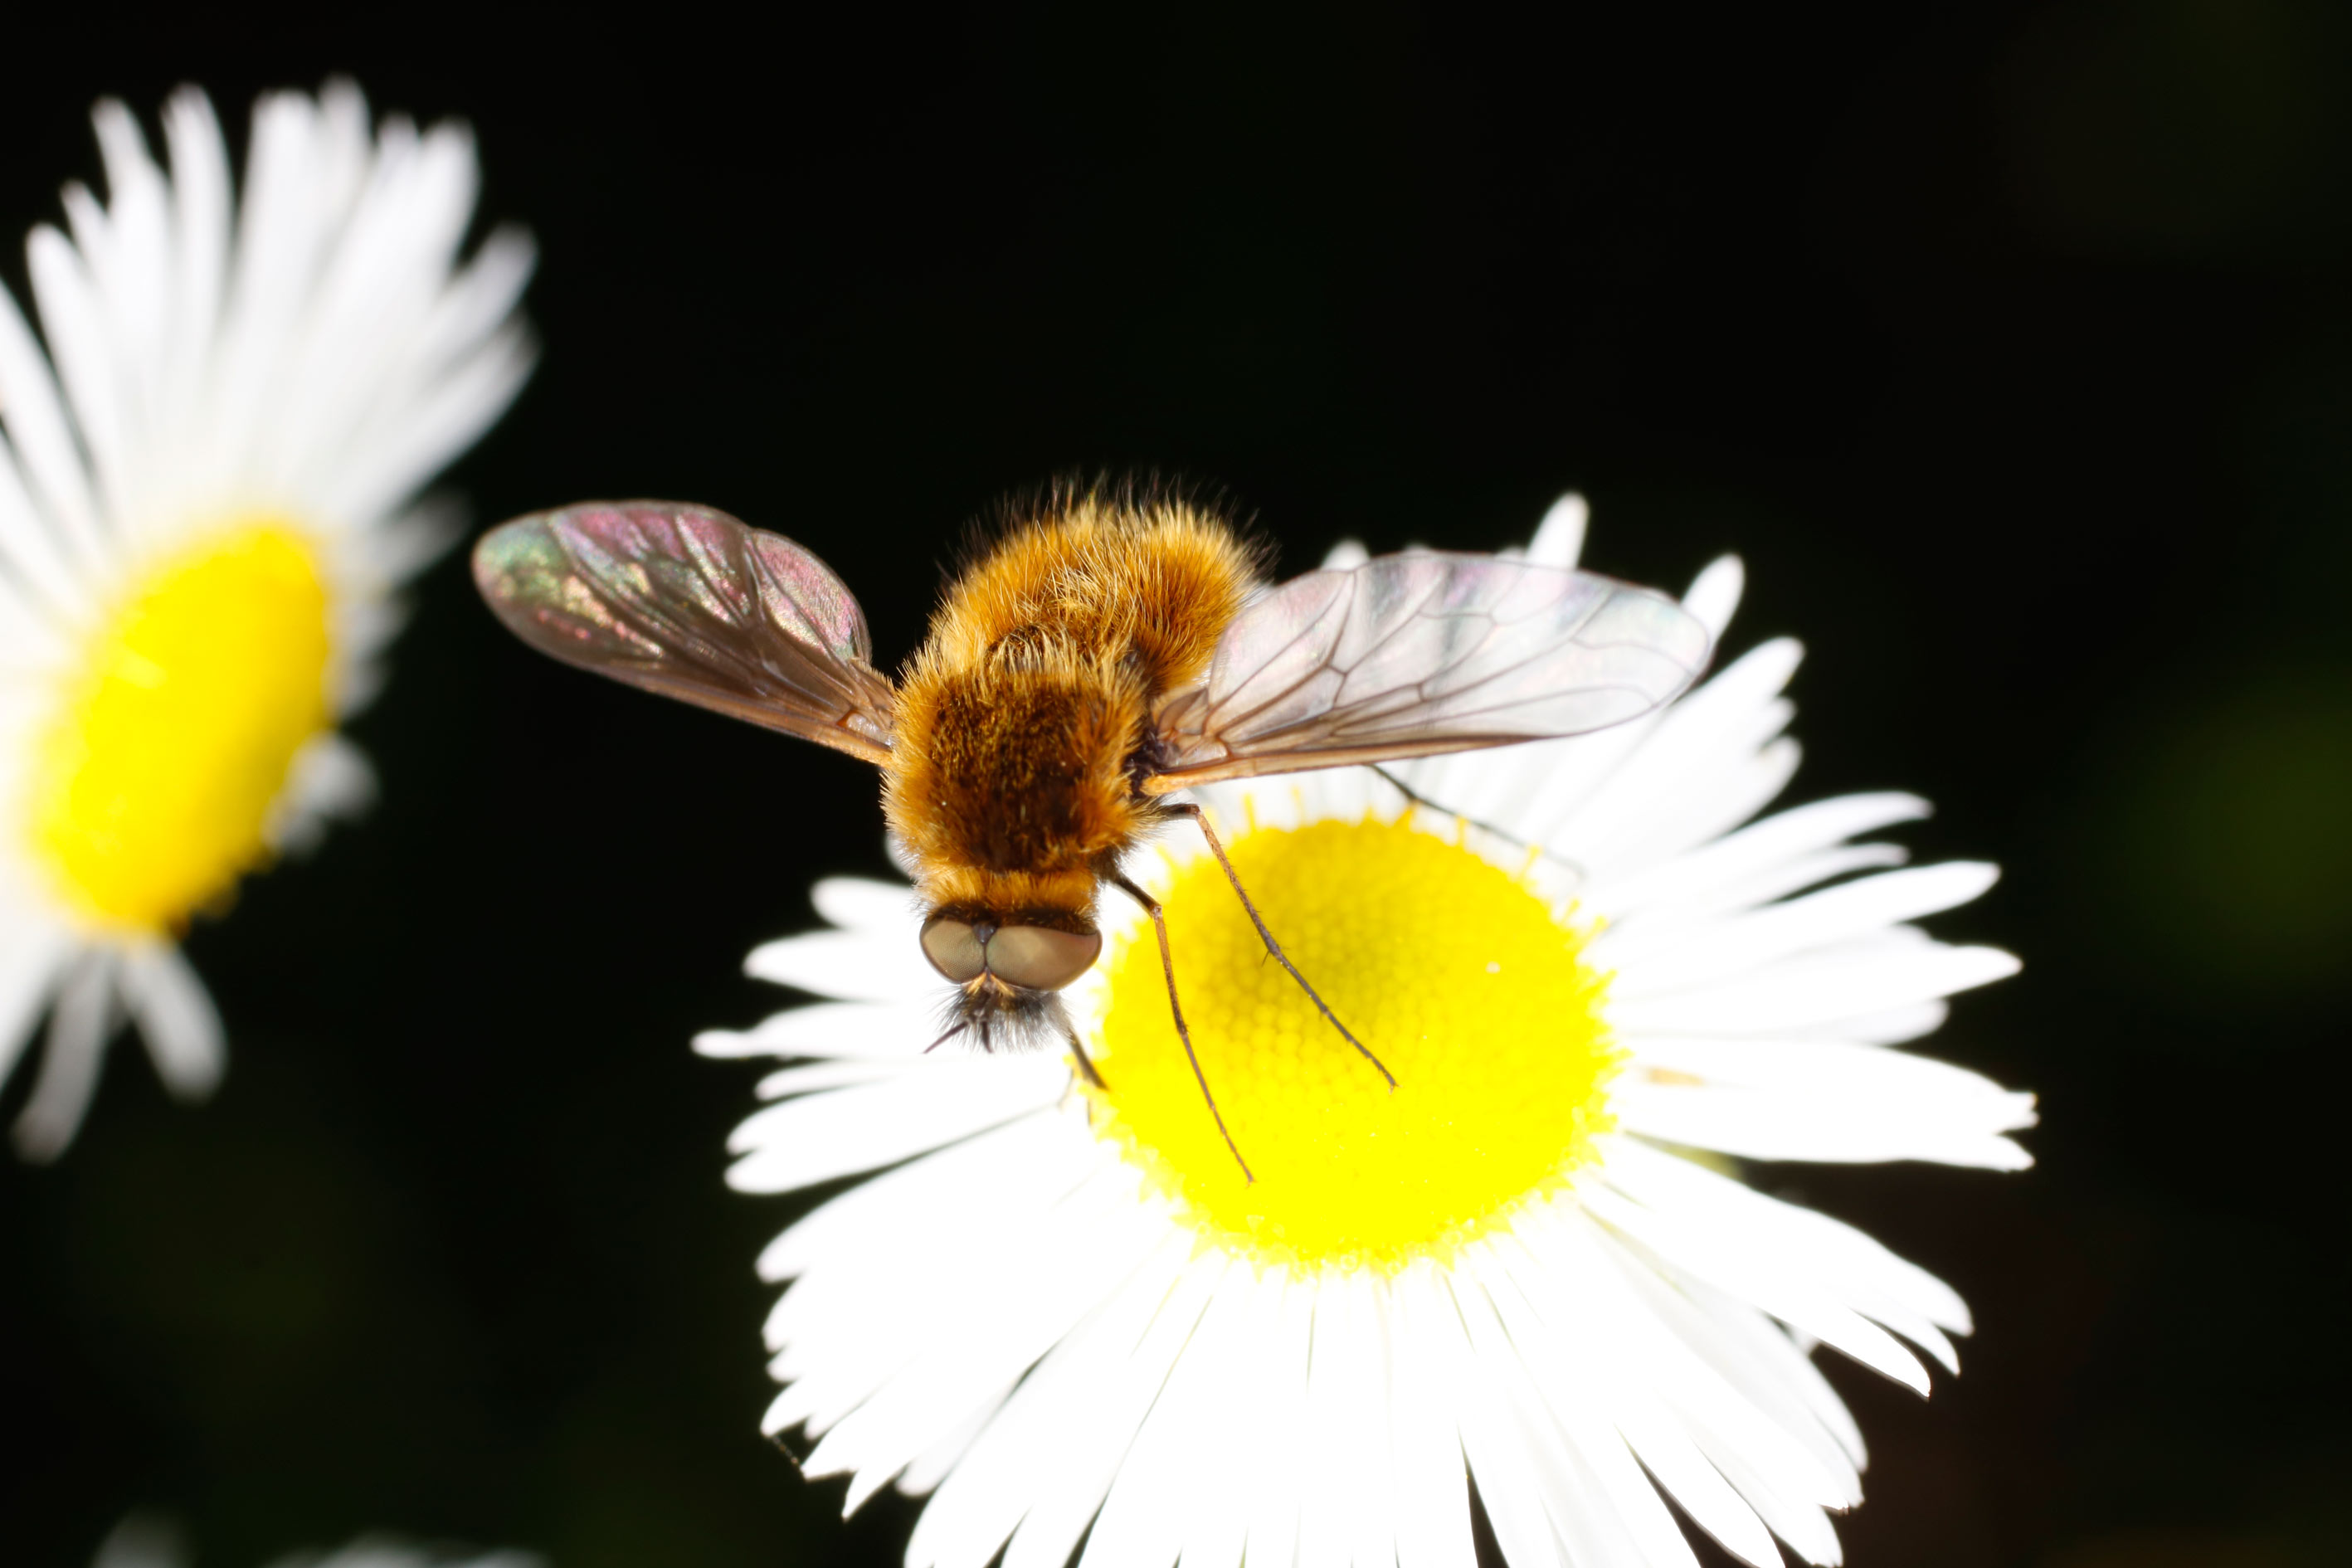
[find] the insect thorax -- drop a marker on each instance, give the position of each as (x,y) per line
(1020,765)
(1020,716)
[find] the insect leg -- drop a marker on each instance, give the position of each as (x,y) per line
(1417,798)
(1069,1032)
(1274,947)
(1176,1009)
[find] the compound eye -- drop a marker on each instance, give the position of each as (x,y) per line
(1040,959)
(955,949)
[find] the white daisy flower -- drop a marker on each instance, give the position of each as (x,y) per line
(1064,1313)
(205,487)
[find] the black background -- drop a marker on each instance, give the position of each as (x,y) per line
(2011,345)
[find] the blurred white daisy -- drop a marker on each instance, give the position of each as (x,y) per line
(142,1541)
(205,509)
(1064,1313)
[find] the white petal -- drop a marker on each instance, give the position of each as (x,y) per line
(176,1016)
(31,958)
(1045,1463)
(871,1316)
(1742,1338)
(1052,1277)
(861,904)
(377,271)
(445,418)
(1348,1507)
(397,550)
(1664,928)
(813,1076)
(79,1024)
(1838,1259)
(1755,1406)
(289,200)
(50,591)
(1789,1100)
(1697,881)
(947,1193)
(201,224)
(847,965)
(1275,1442)
(1260,1484)
(75,325)
(1564,1401)
(330,779)
(1888,1026)
(1433,1481)
(1158,1492)
(48,461)
(1714,594)
(141,1541)
(1495,1448)
(931,1467)
(1676,1382)
(1709,1252)
(859,1030)
(1560,536)
(1752,941)
(1558,1337)
(354,356)
(1708,761)
(1816,990)
(1499,1439)
(821,1136)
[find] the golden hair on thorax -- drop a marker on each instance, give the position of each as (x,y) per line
(1022,715)
(1112,646)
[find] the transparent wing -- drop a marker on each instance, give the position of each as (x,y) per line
(689,602)
(1431,651)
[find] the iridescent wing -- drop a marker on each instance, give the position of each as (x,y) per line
(1405,656)
(689,602)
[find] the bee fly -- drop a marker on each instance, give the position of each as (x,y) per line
(1105,653)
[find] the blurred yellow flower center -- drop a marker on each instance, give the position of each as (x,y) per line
(1451,969)
(152,783)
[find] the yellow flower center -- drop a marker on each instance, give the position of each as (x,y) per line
(1452,970)
(152,785)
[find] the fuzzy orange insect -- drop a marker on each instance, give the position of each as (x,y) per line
(1109,650)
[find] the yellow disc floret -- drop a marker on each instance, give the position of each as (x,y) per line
(152,783)
(1453,969)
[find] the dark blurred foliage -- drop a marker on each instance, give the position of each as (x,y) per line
(2010,345)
